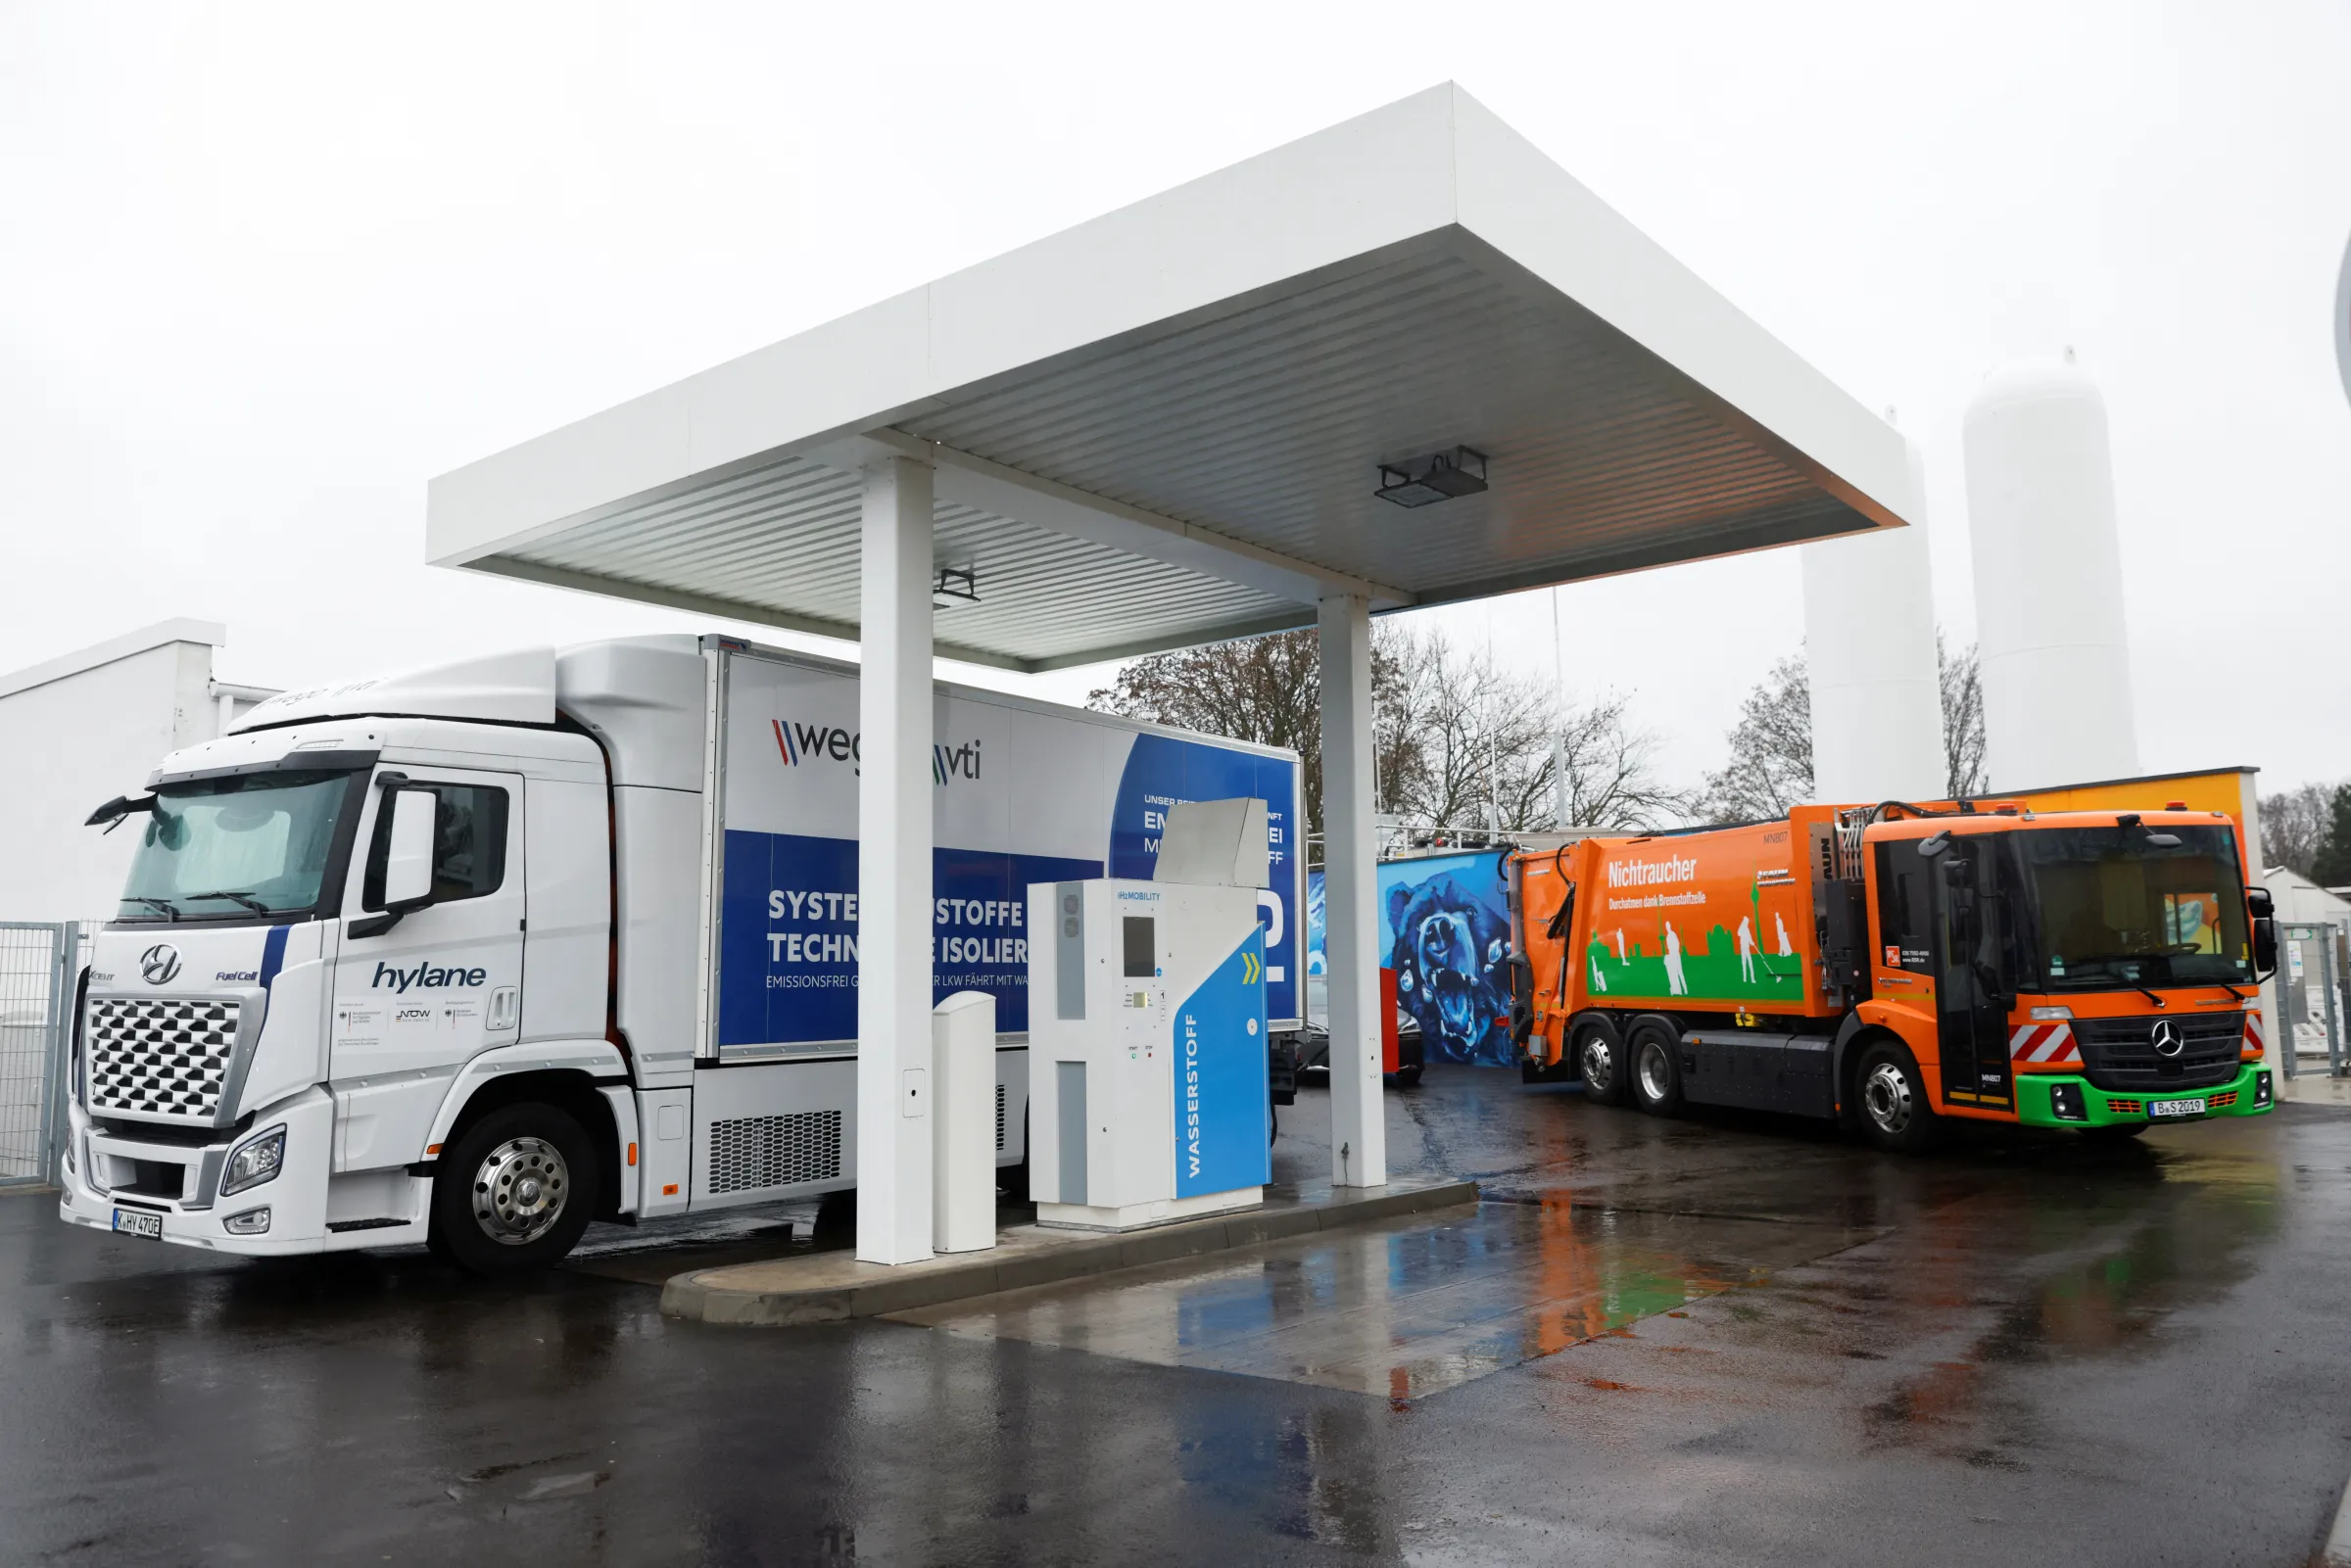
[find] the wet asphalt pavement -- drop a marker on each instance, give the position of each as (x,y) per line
(1729,1339)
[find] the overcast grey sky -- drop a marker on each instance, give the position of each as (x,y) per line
(264,270)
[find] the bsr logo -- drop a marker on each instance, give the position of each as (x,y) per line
(800,743)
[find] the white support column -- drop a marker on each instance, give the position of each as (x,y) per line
(894,868)
(1358,1133)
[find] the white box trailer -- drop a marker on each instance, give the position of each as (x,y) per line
(628,985)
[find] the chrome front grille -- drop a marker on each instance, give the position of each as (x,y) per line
(160,1056)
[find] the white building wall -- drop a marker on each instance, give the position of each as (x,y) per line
(76,732)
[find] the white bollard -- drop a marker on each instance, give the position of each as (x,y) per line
(963,1115)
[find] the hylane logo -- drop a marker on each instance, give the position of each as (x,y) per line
(427,976)
(160,964)
(2166,1039)
(801,744)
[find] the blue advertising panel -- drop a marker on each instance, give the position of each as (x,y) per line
(787,941)
(1445,929)
(1162,770)
(1023,793)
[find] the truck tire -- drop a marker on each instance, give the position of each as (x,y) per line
(1895,1115)
(515,1191)
(1656,1077)
(1599,1059)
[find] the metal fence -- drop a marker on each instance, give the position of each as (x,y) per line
(2311,983)
(38,962)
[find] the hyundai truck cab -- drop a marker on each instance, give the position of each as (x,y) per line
(324,928)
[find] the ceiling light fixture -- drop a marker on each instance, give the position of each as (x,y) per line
(954,585)
(1440,476)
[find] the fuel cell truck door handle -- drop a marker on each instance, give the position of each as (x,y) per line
(505,1008)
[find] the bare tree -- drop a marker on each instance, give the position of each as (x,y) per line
(1486,749)
(2294,827)
(1962,681)
(1610,777)
(1267,690)
(1770,767)
(2331,867)
(1458,743)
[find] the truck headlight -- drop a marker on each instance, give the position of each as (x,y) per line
(253,1162)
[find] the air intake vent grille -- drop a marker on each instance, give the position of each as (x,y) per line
(754,1152)
(159,1057)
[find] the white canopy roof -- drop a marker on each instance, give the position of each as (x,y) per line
(1166,426)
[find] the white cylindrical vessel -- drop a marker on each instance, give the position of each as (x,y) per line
(1869,646)
(2048,581)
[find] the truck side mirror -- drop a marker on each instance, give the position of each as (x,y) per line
(2264,909)
(409,865)
(1960,873)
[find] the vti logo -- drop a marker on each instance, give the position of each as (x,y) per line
(160,964)
(802,743)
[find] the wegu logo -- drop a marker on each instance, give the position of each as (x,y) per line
(160,964)
(801,744)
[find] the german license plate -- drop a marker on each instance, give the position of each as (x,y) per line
(130,1222)
(2176,1108)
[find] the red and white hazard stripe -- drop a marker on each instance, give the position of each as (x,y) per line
(2043,1042)
(2255,1041)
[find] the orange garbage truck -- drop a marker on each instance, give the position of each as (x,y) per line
(1894,966)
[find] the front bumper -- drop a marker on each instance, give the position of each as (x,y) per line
(2241,1096)
(296,1197)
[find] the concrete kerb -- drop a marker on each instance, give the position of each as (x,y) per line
(831,1288)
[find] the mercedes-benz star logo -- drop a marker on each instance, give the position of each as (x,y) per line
(159,964)
(2165,1037)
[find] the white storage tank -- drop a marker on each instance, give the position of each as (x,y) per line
(2048,581)
(1870,646)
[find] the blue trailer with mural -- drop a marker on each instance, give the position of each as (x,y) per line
(1445,932)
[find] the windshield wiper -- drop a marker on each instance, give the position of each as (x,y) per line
(170,911)
(247,899)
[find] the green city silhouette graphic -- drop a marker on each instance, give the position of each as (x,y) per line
(1721,967)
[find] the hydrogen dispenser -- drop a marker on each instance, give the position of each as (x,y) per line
(1147,1039)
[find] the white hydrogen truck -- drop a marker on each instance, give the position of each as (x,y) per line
(473,956)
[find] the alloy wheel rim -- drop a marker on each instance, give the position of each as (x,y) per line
(520,1190)
(1887,1097)
(1599,1062)
(1655,1072)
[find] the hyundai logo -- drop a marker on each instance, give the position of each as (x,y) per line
(2165,1037)
(160,964)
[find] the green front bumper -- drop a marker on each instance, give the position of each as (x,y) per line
(2240,1096)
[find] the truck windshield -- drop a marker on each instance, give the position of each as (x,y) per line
(2111,909)
(255,844)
